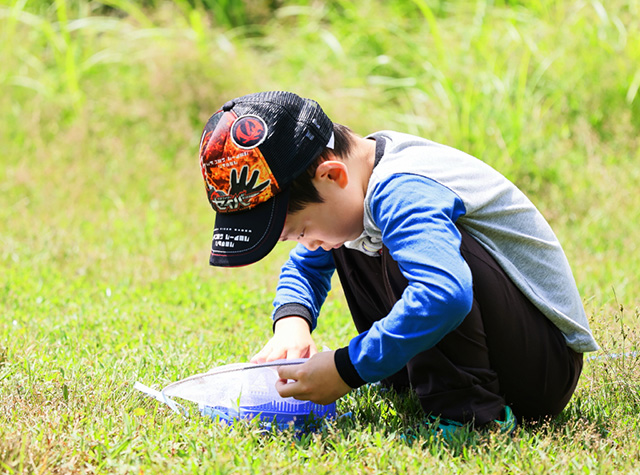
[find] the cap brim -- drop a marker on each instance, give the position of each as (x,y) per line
(242,238)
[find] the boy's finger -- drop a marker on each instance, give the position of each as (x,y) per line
(296,353)
(257,358)
(286,389)
(287,372)
(261,356)
(283,387)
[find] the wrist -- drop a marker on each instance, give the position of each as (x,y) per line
(292,323)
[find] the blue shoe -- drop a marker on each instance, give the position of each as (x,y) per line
(446,428)
(510,422)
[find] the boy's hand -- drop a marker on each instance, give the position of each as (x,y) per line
(291,339)
(317,380)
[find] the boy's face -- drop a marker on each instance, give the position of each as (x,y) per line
(329,224)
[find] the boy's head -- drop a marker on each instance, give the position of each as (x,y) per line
(251,151)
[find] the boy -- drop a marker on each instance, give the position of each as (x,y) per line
(456,283)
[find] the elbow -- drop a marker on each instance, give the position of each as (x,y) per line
(463,306)
(461,300)
(449,303)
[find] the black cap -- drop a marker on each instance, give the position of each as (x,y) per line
(250,152)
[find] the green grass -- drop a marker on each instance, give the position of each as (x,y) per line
(104,226)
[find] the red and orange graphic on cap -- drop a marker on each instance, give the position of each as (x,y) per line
(235,172)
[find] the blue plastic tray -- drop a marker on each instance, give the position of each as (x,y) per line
(283,414)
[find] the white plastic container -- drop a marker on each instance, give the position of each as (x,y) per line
(245,391)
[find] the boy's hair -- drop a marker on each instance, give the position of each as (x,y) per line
(302,191)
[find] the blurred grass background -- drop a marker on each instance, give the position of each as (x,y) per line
(105,230)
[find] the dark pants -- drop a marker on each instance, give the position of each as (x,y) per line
(504,352)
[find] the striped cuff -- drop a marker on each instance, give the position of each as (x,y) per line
(345,368)
(290,310)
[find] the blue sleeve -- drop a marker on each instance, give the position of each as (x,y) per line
(417,218)
(305,280)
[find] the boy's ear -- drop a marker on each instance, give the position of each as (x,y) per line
(333,171)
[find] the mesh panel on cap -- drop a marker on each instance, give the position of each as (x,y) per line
(298,131)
